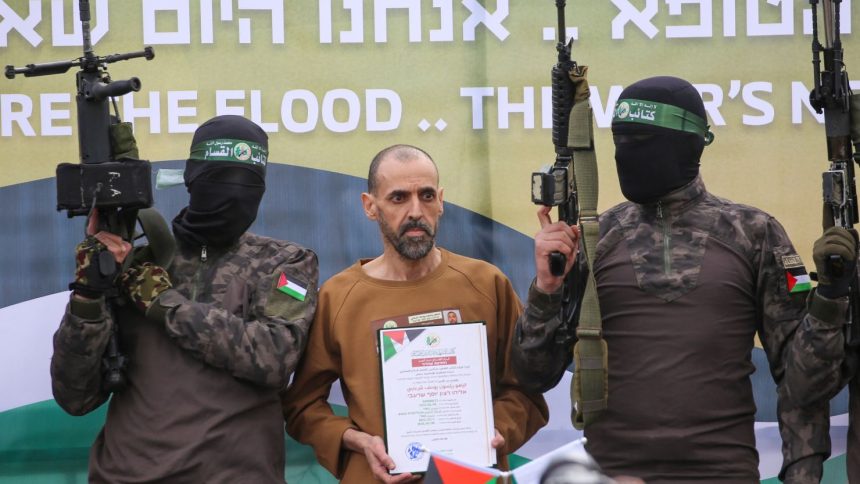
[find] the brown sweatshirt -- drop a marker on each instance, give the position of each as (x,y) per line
(342,346)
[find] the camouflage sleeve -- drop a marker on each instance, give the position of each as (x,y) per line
(519,412)
(263,347)
(309,417)
(79,344)
(781,287)
(816,352)
(538,360)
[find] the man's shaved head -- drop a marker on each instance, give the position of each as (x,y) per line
(402,153)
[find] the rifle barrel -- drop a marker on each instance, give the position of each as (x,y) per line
(829,24)
(562,30)
(100,90)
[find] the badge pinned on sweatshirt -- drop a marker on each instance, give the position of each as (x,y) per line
(291,288)
(795,274)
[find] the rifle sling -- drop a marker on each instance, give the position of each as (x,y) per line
(160,242)
(590,380)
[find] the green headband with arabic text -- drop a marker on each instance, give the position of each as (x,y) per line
(663,115)
(233,150)
(219,149)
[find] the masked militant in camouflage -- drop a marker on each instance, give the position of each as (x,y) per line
(212,339)
(685,281)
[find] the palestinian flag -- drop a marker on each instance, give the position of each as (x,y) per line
(395,340)
(795,274)
(291,288)
(446,470)
(798,282)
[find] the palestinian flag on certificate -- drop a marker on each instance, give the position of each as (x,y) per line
(795,274)
(291,288)
(395,340)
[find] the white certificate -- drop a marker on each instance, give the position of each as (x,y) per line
(436,394)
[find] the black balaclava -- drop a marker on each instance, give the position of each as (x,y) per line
(225,175)
(652,159)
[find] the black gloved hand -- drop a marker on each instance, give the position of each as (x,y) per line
(835,257)
(95,269)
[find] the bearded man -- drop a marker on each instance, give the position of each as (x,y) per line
(412,280)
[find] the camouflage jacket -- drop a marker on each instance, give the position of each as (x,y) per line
(225,309)
(666,243)
(204,372)
(820,363)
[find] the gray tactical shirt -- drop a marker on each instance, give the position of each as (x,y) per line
(202,402)
(684,285)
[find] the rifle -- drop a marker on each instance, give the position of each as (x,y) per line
(573,142)
(555,185)
(832,96)
(109,177)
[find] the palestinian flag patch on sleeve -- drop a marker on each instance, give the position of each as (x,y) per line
(795,274)
(291,287)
